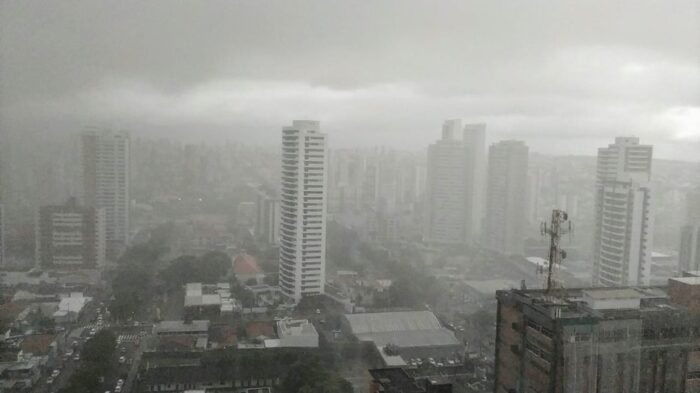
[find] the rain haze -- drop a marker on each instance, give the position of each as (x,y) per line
(374,73)
(350,196)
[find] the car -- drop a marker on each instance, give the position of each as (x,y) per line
(76,357)
(120,382)
(117,389)
(122,359)
(55,373)
(122,349)
(49,380)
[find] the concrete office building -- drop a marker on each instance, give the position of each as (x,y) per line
(106,171)
(506,205)
(303,210)
(689,253)
(632,339)
(623,237)
(70,236)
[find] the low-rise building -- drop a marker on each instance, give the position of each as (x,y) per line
(396,379)
(19,376)
(209,300)
(297,333)
(70,307)
(192,328)
(401,336)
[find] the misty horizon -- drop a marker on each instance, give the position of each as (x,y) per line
(563,73)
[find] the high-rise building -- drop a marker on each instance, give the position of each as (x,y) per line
(475,178)
(623,237)
(70,236)
(506,205)
(632,339)
(445,188)
(106,169)
(303,210)
(2,235)
(267,220)
(689,253)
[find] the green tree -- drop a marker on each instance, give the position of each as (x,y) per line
(100,348)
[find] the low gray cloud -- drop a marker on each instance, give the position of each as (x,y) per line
(383,72)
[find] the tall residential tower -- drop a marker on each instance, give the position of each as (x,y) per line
(506,206)
(445,197)
(623,237)
(303,210)
(455,184)
(106,182)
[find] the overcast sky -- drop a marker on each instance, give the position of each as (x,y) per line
(564,76)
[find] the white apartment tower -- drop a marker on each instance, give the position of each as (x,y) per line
(623,237)
(506,205)
(302,233)
(445,188)
(106,182)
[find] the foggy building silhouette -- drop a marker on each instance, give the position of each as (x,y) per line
(454,189)
(689,252)
(506,205)
(106,172)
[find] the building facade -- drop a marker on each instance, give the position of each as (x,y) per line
(624,221)
(475,179)
(445,188)
(689,252)
(303,210)
(506,205)
(2,235)
(106,169)
(632,339)
(70,236)
(267,218)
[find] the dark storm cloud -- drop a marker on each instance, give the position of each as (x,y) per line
(373,72)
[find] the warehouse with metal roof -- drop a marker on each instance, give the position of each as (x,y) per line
(415,334)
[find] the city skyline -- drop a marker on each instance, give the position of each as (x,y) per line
(563,73)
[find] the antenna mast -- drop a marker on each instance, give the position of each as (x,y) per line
(557,227)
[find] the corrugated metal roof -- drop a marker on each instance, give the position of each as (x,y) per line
(392,321)
(403,329)
(412,338)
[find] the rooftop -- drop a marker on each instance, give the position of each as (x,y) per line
(175,327)
(392,321)
(403,329)
(395,379)
(687,280)
(295,327)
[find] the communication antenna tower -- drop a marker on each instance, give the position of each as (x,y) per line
(558,226)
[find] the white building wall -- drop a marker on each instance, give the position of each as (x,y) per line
(303,206)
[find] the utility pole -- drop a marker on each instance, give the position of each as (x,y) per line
(557,227)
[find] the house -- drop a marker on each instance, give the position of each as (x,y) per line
(245,267)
